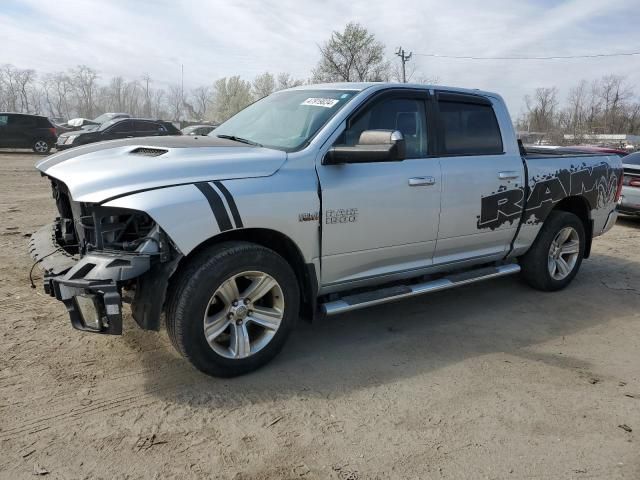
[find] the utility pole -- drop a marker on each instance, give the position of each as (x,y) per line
(182,81)
(404,58)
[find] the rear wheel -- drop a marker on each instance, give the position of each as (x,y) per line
(232,308)
(41,146)
(555,257)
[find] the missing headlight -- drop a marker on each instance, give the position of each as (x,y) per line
(115,228)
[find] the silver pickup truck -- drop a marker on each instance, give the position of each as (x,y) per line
(313,201)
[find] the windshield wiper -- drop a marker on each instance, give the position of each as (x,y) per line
(240,139)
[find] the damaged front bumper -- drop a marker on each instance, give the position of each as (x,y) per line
(89,286)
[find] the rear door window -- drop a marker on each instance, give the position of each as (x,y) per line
(22,121)
(468,128)
(124,126)
(148,128)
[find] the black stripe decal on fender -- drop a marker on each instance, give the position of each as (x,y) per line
(217,206)
(231,202)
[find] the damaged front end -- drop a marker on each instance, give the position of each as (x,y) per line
(94,258)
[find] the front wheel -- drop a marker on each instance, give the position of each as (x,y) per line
(41,146)
(555,257)
(232,308)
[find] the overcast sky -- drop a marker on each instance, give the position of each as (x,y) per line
(215,38)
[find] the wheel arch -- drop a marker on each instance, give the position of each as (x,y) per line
(579,206)
(283,246)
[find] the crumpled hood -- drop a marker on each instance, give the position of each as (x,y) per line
(100,171)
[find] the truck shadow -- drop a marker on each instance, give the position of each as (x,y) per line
(386,343)
(628,221)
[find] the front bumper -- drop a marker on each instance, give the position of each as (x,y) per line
(89,286)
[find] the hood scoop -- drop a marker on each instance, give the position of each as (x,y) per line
(148,152)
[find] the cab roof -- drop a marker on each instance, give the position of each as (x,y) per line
(360,86)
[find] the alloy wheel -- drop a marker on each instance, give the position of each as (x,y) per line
(244,314)
(563,253)
(41,146)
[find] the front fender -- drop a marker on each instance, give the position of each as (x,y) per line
(190,215)
(182,212)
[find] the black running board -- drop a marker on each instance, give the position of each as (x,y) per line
(398,292)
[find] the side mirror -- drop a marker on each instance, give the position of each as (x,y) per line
(373,146)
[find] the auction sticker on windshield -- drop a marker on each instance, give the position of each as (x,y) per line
(320,102)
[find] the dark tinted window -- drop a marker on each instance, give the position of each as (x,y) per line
(469,129)
(632,159)
(150,127)
(44,122)
(123,126)
(22,121)
(404,114)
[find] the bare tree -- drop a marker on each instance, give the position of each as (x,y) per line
(576,111)
(57,89)
(541,109)
(285,80)
(146,79)
(201,98)
(263,85)
(614,95)
(158,104)
(84,80)
(353,55)
(175,101)
(230,96)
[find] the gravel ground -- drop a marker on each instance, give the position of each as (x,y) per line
(492,381)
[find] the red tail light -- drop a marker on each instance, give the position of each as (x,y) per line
(634,182)
(53,131)
(619,191)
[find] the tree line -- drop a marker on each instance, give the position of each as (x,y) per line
(78,92)
(353,54)
(607,105)
(604,106)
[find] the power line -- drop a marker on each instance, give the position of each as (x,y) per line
(555,57)
(404,58)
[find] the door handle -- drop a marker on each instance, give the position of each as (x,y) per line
(508,175)
(421,181)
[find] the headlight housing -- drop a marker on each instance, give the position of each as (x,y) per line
(70,139)
(106,228)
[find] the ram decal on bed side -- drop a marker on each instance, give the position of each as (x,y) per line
(596,183)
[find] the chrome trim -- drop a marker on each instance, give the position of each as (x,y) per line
(510,175)
(341,306)
(421,181)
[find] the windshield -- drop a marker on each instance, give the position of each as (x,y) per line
(106,125)
(105,117)
(285,120)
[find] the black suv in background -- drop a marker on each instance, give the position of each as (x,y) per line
(115,129)
(21,130)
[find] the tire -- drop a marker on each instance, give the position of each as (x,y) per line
(541,267)
(204,288)
(41,146)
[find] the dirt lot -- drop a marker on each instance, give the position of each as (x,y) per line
(490,381)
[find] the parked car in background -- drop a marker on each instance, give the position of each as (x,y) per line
(115,129)
(198,129)
(21,130)
(630,201)
(87,124)
(106,117)
(593,149)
